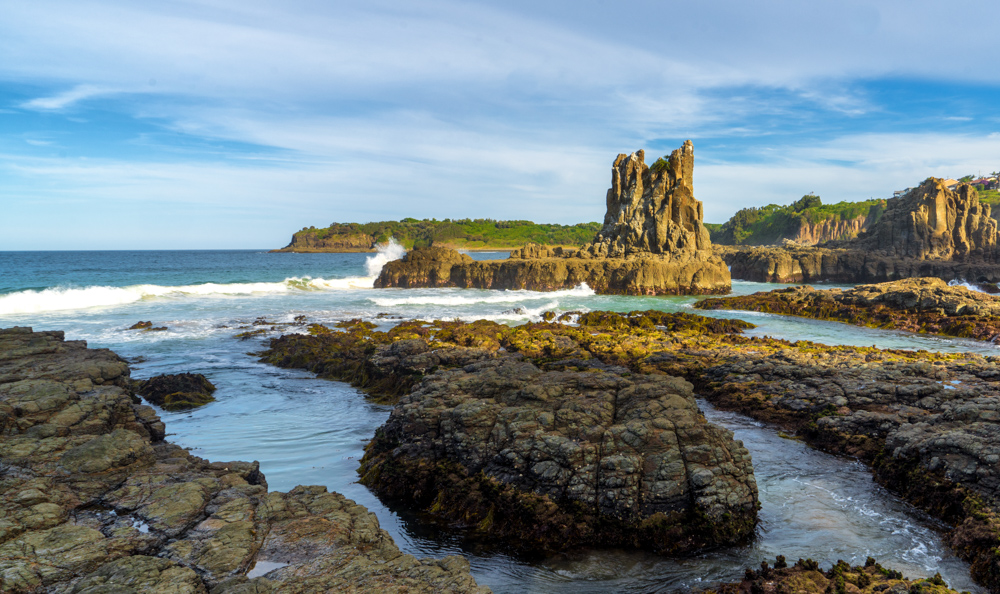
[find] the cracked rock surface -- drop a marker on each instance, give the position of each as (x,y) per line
(93,500)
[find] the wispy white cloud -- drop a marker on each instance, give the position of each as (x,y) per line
(66,98)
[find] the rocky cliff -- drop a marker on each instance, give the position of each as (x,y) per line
(652,210)
(930,231)
(932,222)
(92,499)
(830,230)
(653,242)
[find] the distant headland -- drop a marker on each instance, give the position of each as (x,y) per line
(464,234)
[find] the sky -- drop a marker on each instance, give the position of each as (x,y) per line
(231,124)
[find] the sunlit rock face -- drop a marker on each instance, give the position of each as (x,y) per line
(652,210)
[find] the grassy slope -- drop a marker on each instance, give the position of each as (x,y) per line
(772,223)
(462,233)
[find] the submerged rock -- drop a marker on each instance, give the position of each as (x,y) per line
(93,499)
(653,243)
(176,391)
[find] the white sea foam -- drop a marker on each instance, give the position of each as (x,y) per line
(387,252)
(451,298)
(63,298)
(961,282)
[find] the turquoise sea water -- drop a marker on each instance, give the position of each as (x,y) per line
(309,431)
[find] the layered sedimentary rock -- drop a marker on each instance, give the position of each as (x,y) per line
(926,305)
(524,437)
(930,231)
(652,210)
(833,229)
(93,499)
(652,243)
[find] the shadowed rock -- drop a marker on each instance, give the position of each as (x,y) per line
(93,500)
(176,391)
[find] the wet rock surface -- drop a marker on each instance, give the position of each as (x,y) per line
(94,500)
(603,459)
(926,305)
(926,423)
(522,435)
(176,391)
(653,243)
(806,577)
(930,231)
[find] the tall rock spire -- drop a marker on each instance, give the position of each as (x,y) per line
(652,210)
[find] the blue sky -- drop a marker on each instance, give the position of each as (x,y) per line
(231,124)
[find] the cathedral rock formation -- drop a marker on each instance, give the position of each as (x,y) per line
(930,231)
(652,243)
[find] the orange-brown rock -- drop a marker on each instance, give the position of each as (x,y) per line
(653,243)
(930,231)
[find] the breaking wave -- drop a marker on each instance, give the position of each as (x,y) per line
(63,298)
(581,290)
(387,252)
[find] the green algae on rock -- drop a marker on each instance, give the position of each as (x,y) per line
(926,305)
(806,577)
(93,500)
(538,435)
(927,423)
(179,391)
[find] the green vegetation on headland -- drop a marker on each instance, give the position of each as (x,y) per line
(455,233)
(805,219)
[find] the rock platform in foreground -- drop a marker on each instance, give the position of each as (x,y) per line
(806,577)
(926,305)
(525,438)
(927,424)
(94,500)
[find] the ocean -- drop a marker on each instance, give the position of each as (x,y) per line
(309,431)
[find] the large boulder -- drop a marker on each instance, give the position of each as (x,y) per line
(548,460)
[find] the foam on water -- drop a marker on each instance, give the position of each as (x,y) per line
(68,298)
(387,252)
(462,297)
(961,282)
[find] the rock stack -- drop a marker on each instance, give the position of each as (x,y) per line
(653,243)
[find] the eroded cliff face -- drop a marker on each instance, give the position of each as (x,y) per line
(830,230)
(652,210)
(934,223)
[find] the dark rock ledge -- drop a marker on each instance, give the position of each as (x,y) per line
(927,424)
(93,500)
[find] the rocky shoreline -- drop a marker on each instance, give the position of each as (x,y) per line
(925,423)
(930,231)
(924,305)
(94,499)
